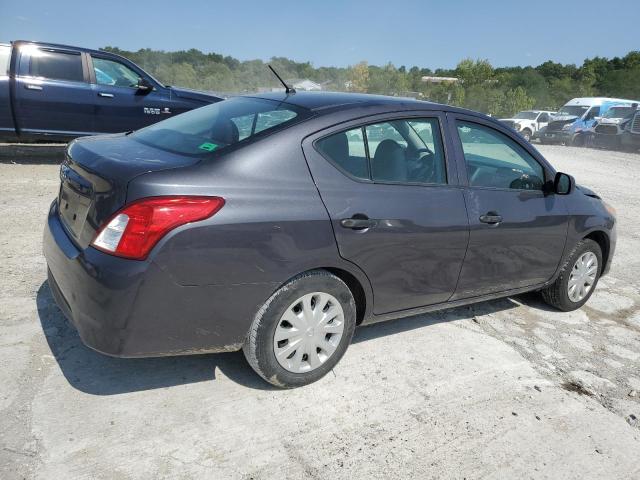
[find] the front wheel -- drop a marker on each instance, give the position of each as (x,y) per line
(577,279)
(526,133)
(302,330)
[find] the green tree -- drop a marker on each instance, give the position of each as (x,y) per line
(359,77)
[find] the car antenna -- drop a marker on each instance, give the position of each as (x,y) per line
(287,88)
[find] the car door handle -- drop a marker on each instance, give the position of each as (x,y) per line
(358,223)
(32,87)
(106,95)
(492,218)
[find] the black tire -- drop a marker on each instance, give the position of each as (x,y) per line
(526,133)
(579,141)
(258,347)
(557,294)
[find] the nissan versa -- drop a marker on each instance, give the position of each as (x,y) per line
(277,223)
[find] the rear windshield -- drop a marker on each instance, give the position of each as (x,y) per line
(214,127)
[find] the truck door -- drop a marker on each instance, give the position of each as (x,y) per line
(543,120)
(52,94)
(121,105)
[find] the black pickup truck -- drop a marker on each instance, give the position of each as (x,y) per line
(58,92)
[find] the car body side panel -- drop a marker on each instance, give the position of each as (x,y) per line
(588,215)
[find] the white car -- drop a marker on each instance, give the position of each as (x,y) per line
(528,122)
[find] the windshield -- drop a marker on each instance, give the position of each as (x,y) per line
(619,112)
(572,110)
(219,125)
(527,115)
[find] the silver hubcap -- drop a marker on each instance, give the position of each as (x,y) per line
(308,332)
(583,276)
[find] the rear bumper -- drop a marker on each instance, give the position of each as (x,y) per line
(128,308)
(556,137)
(604,140)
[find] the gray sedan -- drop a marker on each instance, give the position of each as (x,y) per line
(278,223)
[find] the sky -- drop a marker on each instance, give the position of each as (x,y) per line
(432,34)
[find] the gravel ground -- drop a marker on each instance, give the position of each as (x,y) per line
(503,389)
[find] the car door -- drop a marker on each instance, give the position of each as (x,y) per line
(517,230)
(52,92)
(120,105)
(396,209)
(543,120)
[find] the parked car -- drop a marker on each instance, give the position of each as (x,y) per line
(607,130)
(528,122)
(58,92)
(282,240)
(630,139)
(572,123)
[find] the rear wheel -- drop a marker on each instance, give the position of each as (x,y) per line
(526,133)
(579,141)
(302,330)
(578,278)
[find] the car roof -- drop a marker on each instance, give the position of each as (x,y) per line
(66,47)
(595,101)
(318,101)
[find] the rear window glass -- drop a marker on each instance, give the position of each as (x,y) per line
(56,65)
(5,54)
(214,127)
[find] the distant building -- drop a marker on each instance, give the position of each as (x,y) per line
(427,79)
(299,84)
(306,84)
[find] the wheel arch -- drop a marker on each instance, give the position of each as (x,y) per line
(357,290)
(356,281)
(602,239)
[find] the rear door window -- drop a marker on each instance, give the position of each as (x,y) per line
(347,151)
(56,65)
(398,151)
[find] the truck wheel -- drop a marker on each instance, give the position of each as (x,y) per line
(302,330)
(526,133)
(578,278)
(578,141)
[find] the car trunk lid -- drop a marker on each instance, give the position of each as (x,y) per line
(95,175)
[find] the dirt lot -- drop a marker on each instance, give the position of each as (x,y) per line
(504,389)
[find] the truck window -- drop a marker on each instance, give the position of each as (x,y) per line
(110,72)
(56,65)
(5,55)
(593,113)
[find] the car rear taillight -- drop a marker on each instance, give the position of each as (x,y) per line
(133,231)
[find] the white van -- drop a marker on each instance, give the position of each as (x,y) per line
(571,124)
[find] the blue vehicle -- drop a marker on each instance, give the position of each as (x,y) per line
(573,123)
(59,92)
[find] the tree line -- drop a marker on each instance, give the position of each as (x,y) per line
(496,91)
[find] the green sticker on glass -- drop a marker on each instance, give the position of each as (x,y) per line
(209,147)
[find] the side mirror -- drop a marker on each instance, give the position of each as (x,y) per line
(562,184)
(144,85)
